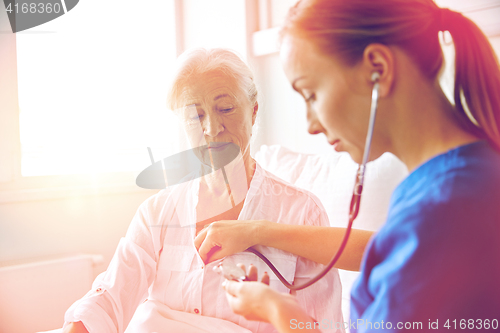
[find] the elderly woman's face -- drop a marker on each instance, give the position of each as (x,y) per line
(215,109)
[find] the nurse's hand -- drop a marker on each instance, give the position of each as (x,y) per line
(257,301)
(252,300)
(223,238)
(246,298)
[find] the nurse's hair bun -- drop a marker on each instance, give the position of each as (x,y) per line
(345,28)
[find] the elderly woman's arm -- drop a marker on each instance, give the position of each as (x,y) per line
(319,244)
(116,293)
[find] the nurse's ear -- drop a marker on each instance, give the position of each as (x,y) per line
(380,58)
(254,114)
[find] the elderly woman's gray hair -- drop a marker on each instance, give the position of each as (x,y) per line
(197,62)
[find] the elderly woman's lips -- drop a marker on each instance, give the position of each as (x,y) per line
(217,145)
(182,166)
(221,154)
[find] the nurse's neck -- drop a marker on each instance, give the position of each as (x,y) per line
(419,120)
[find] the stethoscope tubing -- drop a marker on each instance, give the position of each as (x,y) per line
(354,206)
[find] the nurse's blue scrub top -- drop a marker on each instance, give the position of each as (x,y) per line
(437,258)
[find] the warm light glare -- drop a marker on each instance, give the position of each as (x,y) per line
(92,88)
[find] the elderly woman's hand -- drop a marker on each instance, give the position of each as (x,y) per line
(223,238)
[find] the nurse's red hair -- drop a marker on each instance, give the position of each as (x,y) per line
(345,27)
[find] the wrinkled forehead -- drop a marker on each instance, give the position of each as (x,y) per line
(208,88)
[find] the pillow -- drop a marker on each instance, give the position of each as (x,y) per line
(331,178)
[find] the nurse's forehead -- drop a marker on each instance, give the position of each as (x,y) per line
(295,55)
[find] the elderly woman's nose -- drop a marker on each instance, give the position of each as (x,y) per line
(212,125)
(313,124)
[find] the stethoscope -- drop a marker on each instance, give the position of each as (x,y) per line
(167,172)
(234,273)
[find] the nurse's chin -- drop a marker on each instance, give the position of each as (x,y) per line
(358,158)
(356,153)
(339,147)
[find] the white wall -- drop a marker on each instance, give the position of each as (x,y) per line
(215,23)
(283,113)
(32,230)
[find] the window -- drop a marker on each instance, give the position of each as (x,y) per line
(92,87)
(83,96)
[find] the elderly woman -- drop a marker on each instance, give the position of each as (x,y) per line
(156,268)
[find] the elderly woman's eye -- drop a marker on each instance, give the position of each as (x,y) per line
(226,110)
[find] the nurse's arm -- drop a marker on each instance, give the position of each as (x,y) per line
(316,243)
(319,244)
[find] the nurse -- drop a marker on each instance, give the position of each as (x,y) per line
(435,264)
